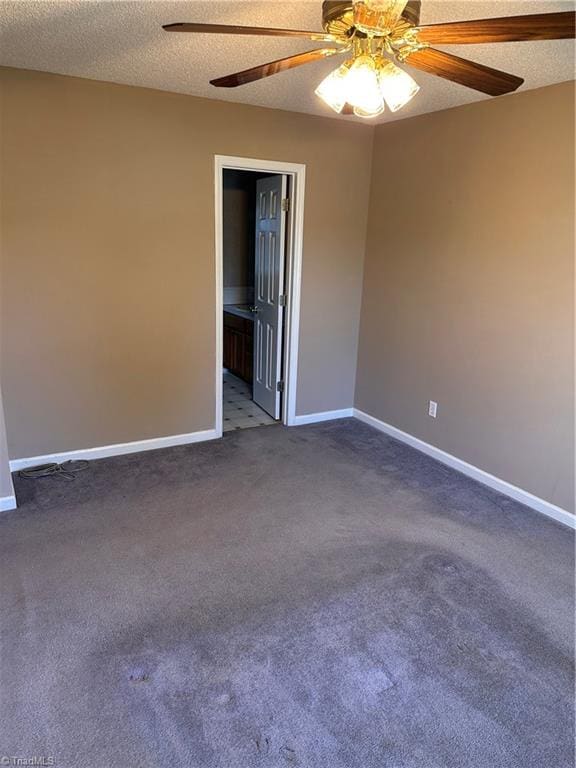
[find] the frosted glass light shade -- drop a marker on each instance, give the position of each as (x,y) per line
(333,89)
(364,114)
(396,86)
(362,87)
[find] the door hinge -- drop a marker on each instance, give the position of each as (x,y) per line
(285,203)
(280,386)
(282,300)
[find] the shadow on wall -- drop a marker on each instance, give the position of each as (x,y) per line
(6,488)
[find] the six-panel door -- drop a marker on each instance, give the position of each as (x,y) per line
(269,286)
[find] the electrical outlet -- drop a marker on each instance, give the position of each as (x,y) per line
(432,409)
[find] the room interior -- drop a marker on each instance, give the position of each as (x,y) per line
(382,576)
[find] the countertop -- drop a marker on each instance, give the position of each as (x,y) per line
(240,310)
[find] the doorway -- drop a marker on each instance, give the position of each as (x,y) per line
(259,229)
(253,261)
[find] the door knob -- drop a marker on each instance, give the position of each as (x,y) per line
(254,309)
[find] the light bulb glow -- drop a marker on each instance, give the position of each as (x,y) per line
(362,87)
(367,83)
(333,89)
(396,86)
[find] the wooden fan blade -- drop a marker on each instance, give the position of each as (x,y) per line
(468,73)
(539,26)
(225,29)
(280,65)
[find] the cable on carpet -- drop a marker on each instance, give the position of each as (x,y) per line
(67,470)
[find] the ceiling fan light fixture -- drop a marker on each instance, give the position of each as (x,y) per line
(375,29)
(365,114)
(362,87)
(377,16)
(332,90)
(396,86)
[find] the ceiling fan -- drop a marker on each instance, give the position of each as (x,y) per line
(378,33)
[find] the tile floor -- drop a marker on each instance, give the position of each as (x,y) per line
(240,411)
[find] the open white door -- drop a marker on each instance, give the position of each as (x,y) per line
(269,288)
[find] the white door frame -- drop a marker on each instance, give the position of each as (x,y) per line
(294,248)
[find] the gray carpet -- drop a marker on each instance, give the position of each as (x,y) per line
(320,596)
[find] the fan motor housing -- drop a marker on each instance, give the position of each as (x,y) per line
(338,15)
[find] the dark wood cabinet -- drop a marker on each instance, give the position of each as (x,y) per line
(238,346)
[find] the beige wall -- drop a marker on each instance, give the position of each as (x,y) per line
(6,488)
(108,269)
(235,238)
(469,286)
(238,209)
(108,247)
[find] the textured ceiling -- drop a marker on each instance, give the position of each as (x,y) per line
(123,42)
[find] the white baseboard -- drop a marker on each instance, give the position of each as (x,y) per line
(502,486)
(313,418)
(118,449)
(7,503)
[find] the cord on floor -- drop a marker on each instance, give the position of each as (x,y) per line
(67,470)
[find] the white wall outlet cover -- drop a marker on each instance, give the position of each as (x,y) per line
(432,409)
